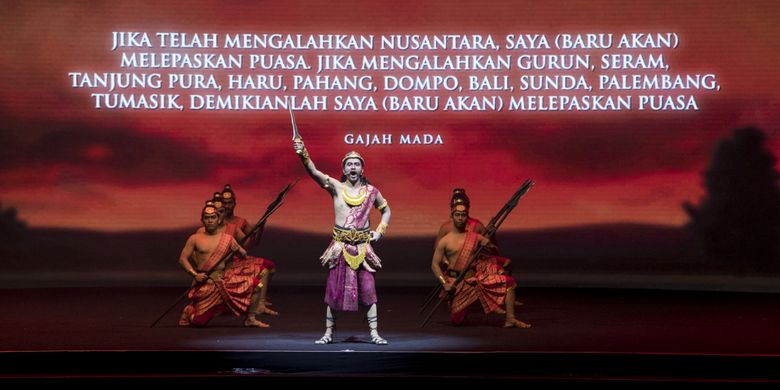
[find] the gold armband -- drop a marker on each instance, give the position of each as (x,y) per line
(382,206)
(442,280)
(382,228)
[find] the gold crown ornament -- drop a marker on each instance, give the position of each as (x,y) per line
(353,154)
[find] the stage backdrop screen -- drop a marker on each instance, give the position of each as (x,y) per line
(120,117)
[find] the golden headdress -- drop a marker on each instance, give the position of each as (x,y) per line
(209,208)
(217,199)
(227,192)
(353,154)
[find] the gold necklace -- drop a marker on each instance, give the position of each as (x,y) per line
(357,200)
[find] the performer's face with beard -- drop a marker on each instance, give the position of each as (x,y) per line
(229,205)
(210,222)
(459,218)
(353,169)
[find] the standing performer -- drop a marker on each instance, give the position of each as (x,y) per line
(350,257)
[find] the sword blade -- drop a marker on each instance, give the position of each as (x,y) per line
(296,136)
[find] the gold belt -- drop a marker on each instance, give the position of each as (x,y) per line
(351,236)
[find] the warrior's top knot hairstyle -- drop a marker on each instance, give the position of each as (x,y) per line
(227,192)
(460,201)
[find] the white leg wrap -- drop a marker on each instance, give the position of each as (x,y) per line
(330,325)
(373,325)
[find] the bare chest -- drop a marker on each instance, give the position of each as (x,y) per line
(454,245)
(205,245)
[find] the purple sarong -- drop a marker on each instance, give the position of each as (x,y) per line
(347,287)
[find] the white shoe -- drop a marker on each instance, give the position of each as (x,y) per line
(378,340)
(327,339)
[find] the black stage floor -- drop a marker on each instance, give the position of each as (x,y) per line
(577,334)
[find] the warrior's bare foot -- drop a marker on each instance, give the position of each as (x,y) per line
(515,323)
(251,321)
(265,310)
(186,316)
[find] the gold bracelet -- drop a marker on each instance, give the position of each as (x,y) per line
(443,281)
(381,228)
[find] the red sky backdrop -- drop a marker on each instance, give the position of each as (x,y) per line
(65,164)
